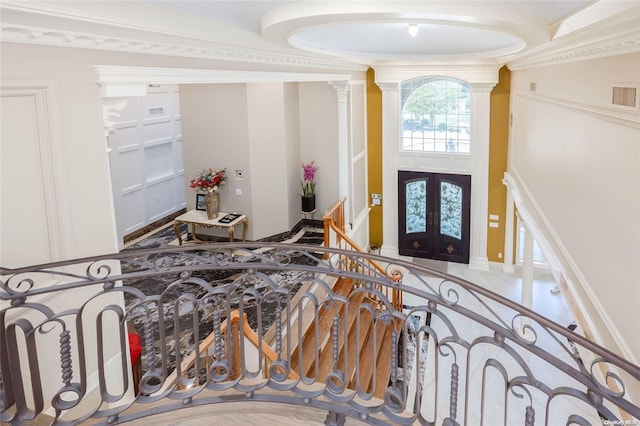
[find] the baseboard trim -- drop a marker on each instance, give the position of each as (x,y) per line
(152,226)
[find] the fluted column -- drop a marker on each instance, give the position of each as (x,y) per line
(480,115)
(344,159)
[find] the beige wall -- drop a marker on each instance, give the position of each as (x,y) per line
(578,160)
(319,140)
(266,130)
(215,134)
(83,190)
(267,157)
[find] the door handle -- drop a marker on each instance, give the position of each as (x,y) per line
(436,216)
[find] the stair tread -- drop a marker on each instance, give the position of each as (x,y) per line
(367,357)
(383,370)
(355,348)
(326,356)
(324,322)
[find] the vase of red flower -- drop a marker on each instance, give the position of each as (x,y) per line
(208,181)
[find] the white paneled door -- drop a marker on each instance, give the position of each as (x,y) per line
(146,159)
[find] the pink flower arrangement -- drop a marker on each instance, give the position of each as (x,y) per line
(308,175)
(208,180)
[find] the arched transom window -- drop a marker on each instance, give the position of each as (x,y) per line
(435,115)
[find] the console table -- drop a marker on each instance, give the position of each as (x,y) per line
(197,218)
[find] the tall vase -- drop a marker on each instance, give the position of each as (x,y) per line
(308,204)
(212,203)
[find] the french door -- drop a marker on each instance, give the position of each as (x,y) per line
(434,215)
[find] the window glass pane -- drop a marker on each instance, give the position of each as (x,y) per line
(435,115)
(451,210)
(416,208)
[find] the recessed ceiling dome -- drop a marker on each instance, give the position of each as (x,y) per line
(380,30)
(393,40)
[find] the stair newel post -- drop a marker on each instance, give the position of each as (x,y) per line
(327,235)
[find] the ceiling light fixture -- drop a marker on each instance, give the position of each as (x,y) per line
(413,30)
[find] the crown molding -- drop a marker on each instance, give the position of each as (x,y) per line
(73,39)
(617,36)
(619,46)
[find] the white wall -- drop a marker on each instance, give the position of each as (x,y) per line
(292,164)
(578,160)
(319,140)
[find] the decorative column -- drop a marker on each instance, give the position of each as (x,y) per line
(507,266)
(390,144)
(480,115)
(344,159)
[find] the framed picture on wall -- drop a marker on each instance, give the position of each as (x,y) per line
(200,202)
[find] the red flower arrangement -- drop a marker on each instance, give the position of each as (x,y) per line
(208,180)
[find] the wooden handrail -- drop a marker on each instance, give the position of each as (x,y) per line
(232,322)
(333,220)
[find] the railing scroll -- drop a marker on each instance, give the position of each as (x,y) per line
(461,354)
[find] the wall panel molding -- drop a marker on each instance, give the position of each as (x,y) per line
(42,98)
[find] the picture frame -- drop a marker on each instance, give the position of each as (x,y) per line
(200,205)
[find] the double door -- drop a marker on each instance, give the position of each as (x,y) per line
(434,215)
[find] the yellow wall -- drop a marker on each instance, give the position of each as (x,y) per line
(498,150)
(499,139)
(374,152)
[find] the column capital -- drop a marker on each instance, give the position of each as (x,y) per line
(111,108)
(342,88)
(482,87)
(388,87)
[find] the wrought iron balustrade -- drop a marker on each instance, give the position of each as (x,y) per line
(455,354)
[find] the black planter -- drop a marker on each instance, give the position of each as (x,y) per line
(308,204)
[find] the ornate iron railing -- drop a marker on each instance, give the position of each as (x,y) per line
(455,354)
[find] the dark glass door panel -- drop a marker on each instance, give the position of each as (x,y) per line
(434,215)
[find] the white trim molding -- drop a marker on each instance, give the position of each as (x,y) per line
(118,81)
(44,99)
(597,321)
